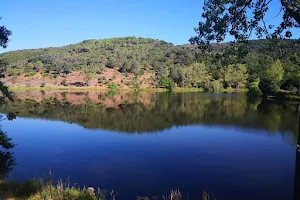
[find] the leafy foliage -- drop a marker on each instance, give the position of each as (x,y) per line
(242,18)
(166,82)
(7,161)
(4,36)
(185,66)
(254,90)
(272,78)
(236,74)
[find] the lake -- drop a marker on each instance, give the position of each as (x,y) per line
(146,143)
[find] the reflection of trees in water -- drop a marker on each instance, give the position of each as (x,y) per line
(150,112)
(7,160)
(140,112)
(161,111)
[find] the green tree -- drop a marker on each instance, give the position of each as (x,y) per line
(4,36)
(271,81)
(254,90)
(199,76)
(242,18)
(38,65)
(110,64)
(135,68)
(125,67)
(235,75)
(216,86)
(176,74)
(166,82)
(7,161)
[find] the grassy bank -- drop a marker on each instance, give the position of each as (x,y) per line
(38,190)
(46,190)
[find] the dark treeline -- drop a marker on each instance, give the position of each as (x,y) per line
(271,65)
(162,111)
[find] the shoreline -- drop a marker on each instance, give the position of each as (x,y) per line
(104,89)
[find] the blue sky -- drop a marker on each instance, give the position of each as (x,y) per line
(44,23)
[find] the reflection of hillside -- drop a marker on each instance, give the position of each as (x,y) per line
(107,99)
(150,112)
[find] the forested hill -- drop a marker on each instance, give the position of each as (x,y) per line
(142,62)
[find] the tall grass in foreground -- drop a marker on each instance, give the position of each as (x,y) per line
(46,190)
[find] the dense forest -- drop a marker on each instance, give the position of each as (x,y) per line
(270,65)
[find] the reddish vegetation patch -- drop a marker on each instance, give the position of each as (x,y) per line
(78,79)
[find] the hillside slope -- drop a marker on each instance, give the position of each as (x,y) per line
(139,62)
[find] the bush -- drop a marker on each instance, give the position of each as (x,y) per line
(102,79)
(30,74)
(64,83)
(43,84)
(216,86)
(46,75)
(167,83)
(113,86)
(293,89)
(14,71)
(110,64)
(254,89)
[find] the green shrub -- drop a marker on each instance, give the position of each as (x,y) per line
(216,86)
(113,86)
(110,64)
(102,79)
(30,74)
(64,83)
(254,89)
(43,85)
(166,82)
(293,89)
(14,71)
(46,75)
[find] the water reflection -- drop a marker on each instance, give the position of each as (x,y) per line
(151,112)
(7,160)
(186,126)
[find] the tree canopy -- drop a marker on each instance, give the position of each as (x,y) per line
(242,18)
(4,36)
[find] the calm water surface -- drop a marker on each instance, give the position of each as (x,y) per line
(149,143)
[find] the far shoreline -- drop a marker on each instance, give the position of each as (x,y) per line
(104,89)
